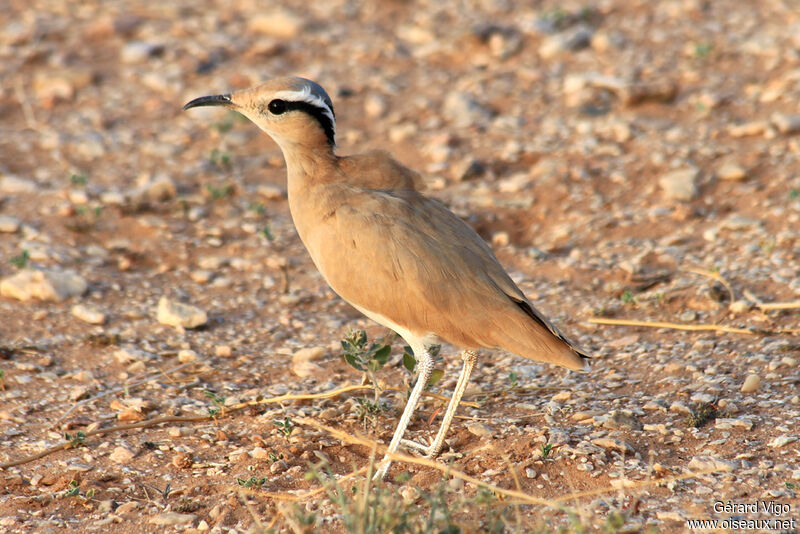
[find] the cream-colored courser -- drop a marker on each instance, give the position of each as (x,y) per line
(402,259)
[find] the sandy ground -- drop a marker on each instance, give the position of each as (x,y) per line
(626,160)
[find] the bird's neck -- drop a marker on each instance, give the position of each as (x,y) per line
(307,166)
(308,171)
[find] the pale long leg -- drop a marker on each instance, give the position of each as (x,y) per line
(425,367)
(469,358)
(434,448)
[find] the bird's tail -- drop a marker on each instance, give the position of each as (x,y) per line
(526,332)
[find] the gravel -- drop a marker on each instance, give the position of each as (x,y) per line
(622,161)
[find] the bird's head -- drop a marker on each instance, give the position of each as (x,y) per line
(293,111)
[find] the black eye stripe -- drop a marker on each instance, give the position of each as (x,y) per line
(279,107)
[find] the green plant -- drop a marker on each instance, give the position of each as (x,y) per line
(85,219)
(285,427)
(513,380)
(2,380)
(257,207)
(703,50)
(794,193)
(267,233)
(546,449)
(364,356)
(21,261)
(368,411)
(251,482)
(78,179)
(220,159)
(614,522)
(73,490)
(274,457)
(369,508)
(75,440)
(219,402)
(187,506)
(627,297)
(410,363)
(703,414)
(228,122)
(219,192)
(165,493)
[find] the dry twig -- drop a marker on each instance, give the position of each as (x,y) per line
(183,419)
(695,327)
(517,496)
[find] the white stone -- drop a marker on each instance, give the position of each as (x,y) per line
(613,444)
(481,430)
(175,313)
(305,368)
(126,355)
(10,184)
(786,124)
(187,356)
(137,51)
(43,285)
(374,105)
(280,24)
(88,314)
(172,519)
(8,225)
(710,463)
(680,184)
(732,172)
(739,306)
(751,383)
(464,111)
(121,455)
(782,441)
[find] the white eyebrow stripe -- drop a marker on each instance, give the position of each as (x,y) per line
(304,95)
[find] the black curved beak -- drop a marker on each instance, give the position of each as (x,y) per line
(214,100)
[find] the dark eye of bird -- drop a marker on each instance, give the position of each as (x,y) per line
(277,106)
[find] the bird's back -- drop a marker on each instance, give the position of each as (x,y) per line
(386,248)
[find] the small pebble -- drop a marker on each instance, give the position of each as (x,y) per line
(181,460)
(680,184)
(786,124)
(481,430)
(748,129)
(171,519)
(410,494)
(279,24)
(175,313)
(278,467)
(127,507)
(121,455)
(8,225)
(12,185)
(710,463)
(43,285)
(751,383)
(223,351)
(731,172)
(88,314)
(782,441)
(739,306)
(187,356)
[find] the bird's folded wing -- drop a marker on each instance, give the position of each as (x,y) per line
(411,260)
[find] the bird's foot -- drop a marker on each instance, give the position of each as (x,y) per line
(380,473)
(428,451)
